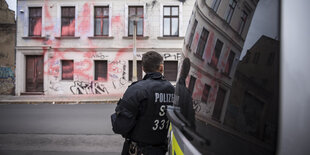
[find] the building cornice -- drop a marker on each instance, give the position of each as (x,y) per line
(97,48)
(32,47)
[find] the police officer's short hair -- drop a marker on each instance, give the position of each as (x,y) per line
(151,61)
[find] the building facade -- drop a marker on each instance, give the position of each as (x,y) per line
(214,41)
(7,50)
(253,104)
(86,47)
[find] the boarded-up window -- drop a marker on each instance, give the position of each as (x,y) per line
(205,93)
(219,102)
(170,70)
(101,70)
(139,70)
(171,21)
(101,21)
(67,69)
(135,11)
(202,42)
(217,53)
(67,21)
(35,21)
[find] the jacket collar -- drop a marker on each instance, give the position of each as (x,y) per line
(153,75)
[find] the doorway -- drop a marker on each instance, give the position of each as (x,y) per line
(34,73)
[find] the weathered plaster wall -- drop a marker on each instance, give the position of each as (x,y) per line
(7,49)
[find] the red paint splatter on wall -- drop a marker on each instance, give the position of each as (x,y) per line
(84,25)
(68,30)
(198,89)
(196,39)
(116,19)
(209,47)
(38,28)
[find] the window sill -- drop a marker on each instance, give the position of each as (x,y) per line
(66,80)
(226,75)
(212,66)
(198,56)
(67,37)
(34,37)
(170,38)
(32,93)
(101,37)
(138,37)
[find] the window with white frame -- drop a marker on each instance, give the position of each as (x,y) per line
(215,4)
(101,70)
(101,16)
(231,9)
(35,21)
(202,42)
(217,52)
(191,36)
(171,21)
(68,21)
(67,69)
(138,12)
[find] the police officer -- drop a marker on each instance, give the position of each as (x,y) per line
(140,116)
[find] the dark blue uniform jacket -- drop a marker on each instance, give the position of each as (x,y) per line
(140,115)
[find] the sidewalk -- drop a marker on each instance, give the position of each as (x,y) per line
(57,99)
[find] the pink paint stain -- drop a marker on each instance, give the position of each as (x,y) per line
(38,28)
(198,90)
(196,39)
(48,17)
(68,30)
(84,25)
(209,47)
(116,19)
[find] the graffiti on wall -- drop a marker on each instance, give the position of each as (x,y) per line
(166,56)
(81,87)
(117,73)
(99,56)
(6,72)
(7,80)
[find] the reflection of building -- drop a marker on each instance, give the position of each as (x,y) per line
(214,41)
(85,47)
(253,104)
(7,50)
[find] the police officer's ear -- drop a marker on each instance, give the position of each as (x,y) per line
(161,68)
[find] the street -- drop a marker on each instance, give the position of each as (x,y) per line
(57,129)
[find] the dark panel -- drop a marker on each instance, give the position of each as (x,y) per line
(170,70)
